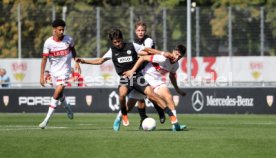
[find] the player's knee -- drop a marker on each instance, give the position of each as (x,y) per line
(56,96)
(122,97)
(152,96)
(141,104)
(168,97)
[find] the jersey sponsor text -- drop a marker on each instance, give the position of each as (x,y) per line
(125,59)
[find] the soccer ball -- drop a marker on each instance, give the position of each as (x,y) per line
(149,124)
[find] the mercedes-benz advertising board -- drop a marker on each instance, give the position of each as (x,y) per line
(106,100)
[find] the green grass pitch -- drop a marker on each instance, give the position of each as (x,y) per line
(91,135)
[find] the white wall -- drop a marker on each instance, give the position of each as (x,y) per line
(235,69)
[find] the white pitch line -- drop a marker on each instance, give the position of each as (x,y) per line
(86,124)
(17,126)
(20,127)
(260,123)
(56,127)
(16,129)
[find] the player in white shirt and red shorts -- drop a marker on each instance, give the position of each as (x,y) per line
(158,67)
(59,49)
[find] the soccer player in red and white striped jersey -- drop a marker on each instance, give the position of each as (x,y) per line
(155,71)
(59,50)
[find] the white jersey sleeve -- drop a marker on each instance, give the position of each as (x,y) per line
(46,48)
(148,43)
(164,63)
(138,48)
(158,59)
(108,54)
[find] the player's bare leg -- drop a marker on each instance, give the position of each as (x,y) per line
(65,105)
(130,104)
(52,107)
(160,111)
(123,90)
(165,94)
(142,111)
(160,102)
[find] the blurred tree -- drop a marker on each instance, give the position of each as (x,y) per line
(219,22)
(271,15)
(271,20)
(81,14)
(81,17)
(34,27)
(245,14)
(36,17)
(8,30)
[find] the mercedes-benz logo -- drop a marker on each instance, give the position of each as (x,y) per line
(197,100)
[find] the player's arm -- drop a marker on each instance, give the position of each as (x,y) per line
(174,83)
(97,61)
(42,69)
(142,51)
(138,63)
(74,56)
(152,51)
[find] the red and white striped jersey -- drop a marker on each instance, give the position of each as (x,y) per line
(59,54)
(156,70)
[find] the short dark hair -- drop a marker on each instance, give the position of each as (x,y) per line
(181,48)
(115,34)
(58,22)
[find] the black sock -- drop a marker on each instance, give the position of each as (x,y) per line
(124,110)
(142,113)
(159,110)
(168,111)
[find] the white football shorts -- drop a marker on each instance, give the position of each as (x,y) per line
(60,80)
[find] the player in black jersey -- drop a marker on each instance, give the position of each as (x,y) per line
(124,56)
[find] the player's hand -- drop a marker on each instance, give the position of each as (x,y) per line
(42,81)
(181,93)
(168,55)
(79,60)
(77,67)
(128,73)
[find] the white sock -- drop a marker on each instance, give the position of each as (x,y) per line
(174,112)
(119,115)
(51,109)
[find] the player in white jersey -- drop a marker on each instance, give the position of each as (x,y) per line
(156,69)
(59,49)
(134,96)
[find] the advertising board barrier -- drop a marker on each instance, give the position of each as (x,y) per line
(106,100)
(204,70)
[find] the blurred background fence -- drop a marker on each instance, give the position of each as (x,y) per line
(237,31)
(233,42)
